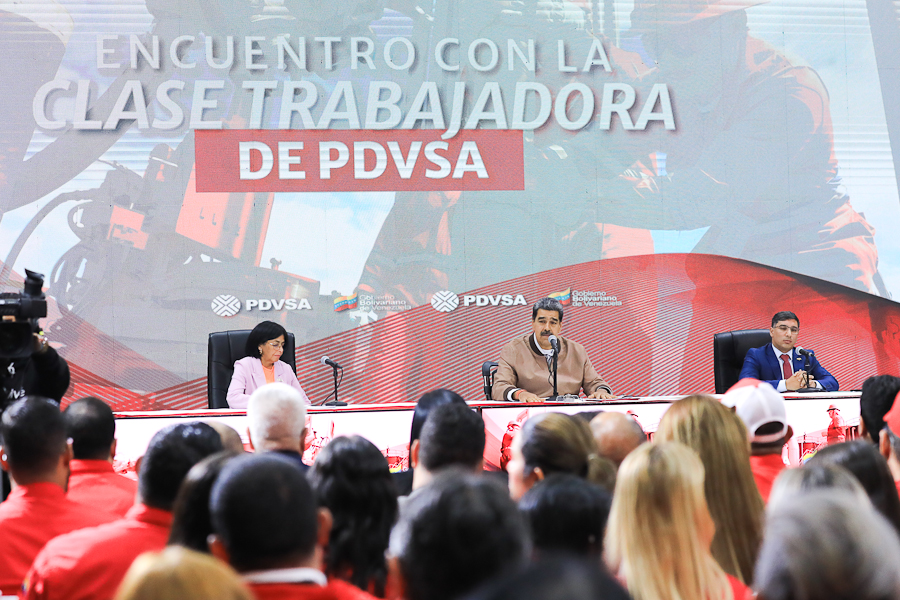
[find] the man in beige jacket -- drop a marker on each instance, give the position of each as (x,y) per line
(523,373)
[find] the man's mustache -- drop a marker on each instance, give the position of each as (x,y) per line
(546,333)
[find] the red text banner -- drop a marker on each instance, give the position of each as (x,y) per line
(252,160)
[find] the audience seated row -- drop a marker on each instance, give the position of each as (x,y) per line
(591,509)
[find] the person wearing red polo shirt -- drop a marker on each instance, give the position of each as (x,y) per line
(91,426)
(35,454)
(91,563)
(268,526)
(762,410)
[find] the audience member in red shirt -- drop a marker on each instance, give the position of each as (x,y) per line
(762,410)
(36,455)
(89,564)
(269,528)
(351,478)
(91,426)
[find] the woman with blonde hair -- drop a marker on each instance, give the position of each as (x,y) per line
(659,531)
(719,438)
(178,572)
(556,443)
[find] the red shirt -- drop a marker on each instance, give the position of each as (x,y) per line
(32,515)
(95,483)
(765,469)
(91,563)
(835,431)
(739,590)
(335,590)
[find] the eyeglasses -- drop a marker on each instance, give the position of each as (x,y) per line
(276,344)
(785,329)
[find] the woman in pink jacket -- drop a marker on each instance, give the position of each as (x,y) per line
(265,345)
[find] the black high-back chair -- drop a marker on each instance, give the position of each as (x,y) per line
(729,350)
(225,348)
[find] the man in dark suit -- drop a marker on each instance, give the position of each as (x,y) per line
(781,364)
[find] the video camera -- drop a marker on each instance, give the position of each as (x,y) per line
(19,314)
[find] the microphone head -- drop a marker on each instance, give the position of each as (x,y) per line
(554,341)
(324,361)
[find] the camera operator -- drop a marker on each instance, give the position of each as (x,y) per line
(44,373)
(28,365)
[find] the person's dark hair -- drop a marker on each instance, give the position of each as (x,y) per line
(455,534)
(428,402)
(561,443)
(262,333)
(784,315)
(264,511)
(547,304)
(588,415)
(171,454)
(191,521)
(91,425)
(872,471)
(33,434)
(877,398)
(566,514)
(351,478)
(452,435)
(768,429)
(554,577)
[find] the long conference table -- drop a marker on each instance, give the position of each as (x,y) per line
(388,425)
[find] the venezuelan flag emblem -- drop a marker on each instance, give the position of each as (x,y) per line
(345,303)
(564,297)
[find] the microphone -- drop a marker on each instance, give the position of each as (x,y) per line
(554,343)
(328,362)
(804,351)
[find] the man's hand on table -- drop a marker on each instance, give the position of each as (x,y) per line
(602,394)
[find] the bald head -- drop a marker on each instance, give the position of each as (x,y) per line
(231,439)
(616,434)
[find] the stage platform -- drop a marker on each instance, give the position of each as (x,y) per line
(388,425)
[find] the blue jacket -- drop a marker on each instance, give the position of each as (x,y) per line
(761,363)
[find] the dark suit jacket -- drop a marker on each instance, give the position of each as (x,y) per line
(761,363)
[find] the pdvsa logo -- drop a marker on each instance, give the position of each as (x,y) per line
(446,301)
(226,305)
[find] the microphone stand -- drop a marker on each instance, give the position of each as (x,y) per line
(555,397)
(335,402)
(807,389)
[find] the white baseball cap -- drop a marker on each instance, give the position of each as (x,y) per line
(757,404)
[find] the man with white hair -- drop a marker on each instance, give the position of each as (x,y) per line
(763,411)
(277,422)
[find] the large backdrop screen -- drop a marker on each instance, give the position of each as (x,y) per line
(397,182)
